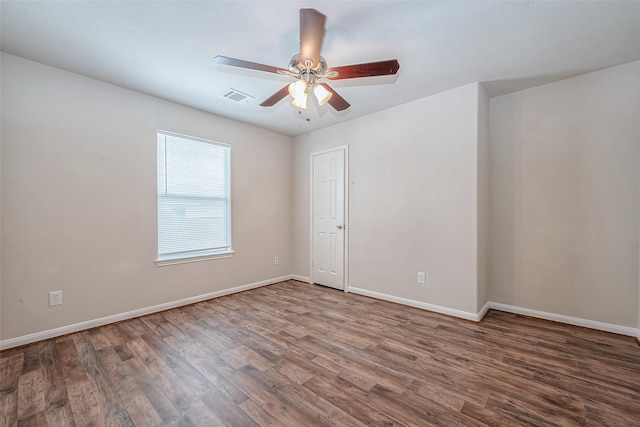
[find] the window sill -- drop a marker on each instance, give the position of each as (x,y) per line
(185,258)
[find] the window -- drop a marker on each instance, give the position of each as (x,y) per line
(194,208)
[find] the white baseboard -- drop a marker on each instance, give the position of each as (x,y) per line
(592,324)
(300,278)
(418,304)
(483,312)
(52,333)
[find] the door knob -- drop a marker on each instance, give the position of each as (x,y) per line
(339,227)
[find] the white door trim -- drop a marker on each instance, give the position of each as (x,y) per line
(344,148)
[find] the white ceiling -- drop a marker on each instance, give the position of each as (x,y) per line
(167,48)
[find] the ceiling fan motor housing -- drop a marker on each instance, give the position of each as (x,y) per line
(308,74)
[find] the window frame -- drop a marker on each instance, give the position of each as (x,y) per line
(198,255)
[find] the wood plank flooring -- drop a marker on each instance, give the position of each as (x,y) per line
(293,354)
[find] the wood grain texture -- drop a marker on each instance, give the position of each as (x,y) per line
(293,354)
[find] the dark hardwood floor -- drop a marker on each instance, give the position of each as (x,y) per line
(293,354)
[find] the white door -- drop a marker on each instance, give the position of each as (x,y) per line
(328,214)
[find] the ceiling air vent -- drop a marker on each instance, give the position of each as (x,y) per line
(237,96)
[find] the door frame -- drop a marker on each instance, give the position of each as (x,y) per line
(345,149)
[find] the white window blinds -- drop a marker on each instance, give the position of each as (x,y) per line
(194,216)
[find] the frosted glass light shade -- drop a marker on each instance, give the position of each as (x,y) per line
(298,92)
(322,94)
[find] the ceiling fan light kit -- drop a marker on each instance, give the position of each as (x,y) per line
(308,67)
(299,90)
(299,93)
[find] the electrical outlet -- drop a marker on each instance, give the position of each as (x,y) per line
(55,298)
(422,277)
(276,260)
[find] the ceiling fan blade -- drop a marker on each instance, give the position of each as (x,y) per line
(232,62)
(311,35)
(336,101)
(370,69)
(276,97)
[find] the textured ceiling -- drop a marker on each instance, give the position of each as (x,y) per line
(166,49)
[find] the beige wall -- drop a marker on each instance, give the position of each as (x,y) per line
(1,115)
(79,200)
(483,198)
(530,199)
(413,201)
(565,199)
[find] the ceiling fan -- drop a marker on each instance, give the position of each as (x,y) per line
(307,67)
